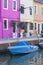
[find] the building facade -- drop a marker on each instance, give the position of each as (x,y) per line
(24,14)
(38,16)
(31,17)
(27,15)
(9,18)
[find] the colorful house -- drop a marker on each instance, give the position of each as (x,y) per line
(38,16)
(27,16)
(31,16)
(9,18)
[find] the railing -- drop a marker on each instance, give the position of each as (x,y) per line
(25,35)
(19,35)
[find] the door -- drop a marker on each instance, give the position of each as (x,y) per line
(42,29)
(38,28)
(14,30)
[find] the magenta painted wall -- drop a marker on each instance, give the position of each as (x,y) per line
(10,15)
(0,8)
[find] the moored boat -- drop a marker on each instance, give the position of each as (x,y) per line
(41,44)
(22,47)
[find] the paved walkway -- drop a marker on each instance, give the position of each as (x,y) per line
(4,41)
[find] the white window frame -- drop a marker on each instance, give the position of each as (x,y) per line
(7,24)
(41,10)
(36,9)
(31,11)
(7,5)
(16,5)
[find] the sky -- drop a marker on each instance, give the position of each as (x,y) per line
(40,0)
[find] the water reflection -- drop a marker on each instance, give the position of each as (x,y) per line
(23,59)
(27,59)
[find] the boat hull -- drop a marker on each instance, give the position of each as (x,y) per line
(22,49)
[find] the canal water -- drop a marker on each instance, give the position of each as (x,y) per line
(35,58)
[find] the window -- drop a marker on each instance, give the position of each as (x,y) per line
(35,10)
(5,24)
(30,11)
(6,4)
(14,25)
(23,25)
(35,26)
(14,5)
(22,9)
(31,26)
(42,10)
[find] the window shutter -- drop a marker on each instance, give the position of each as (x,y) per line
(22,9)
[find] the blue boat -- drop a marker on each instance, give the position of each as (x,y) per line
(41,44)
(22,47)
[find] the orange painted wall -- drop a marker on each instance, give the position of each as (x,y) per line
(38,17)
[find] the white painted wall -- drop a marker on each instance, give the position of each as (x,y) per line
(26,17)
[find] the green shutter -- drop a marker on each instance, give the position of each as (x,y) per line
(22,9)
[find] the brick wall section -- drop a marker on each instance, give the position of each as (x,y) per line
(36,42)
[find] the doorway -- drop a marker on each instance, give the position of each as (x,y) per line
(14,30)
(38,28)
